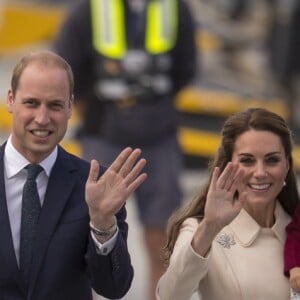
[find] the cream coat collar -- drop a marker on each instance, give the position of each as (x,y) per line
(246,229)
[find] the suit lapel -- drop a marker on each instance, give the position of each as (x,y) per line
(60,185)
(8,261)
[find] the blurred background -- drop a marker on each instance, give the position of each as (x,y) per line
(248,56)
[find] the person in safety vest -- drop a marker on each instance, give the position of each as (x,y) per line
(129,59)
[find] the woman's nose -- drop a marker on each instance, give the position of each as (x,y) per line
(260,170)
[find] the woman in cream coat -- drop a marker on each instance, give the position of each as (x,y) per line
(228,242)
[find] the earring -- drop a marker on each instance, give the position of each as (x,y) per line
(284,183)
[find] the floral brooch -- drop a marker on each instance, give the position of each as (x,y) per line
(225,240)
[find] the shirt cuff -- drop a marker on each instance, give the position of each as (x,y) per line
(105,248)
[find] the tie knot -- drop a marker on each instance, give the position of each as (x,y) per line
(33,171)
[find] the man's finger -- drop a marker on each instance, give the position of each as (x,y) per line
(121,158)
(94,171)
(137,182)
(134,173)
(129,163)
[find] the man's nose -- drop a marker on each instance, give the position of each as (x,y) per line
(42,116)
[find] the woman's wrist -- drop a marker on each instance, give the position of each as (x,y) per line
(204,236)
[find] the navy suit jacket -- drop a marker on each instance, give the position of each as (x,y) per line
(65,263)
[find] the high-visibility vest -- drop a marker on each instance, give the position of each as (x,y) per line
(108,27)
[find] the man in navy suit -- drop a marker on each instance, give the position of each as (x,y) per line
(81,236)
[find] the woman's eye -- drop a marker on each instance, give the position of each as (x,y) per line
(246,160)
(272,160)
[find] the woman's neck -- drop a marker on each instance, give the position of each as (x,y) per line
(262,214)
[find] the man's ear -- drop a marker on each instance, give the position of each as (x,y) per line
(71,104)
(9,100)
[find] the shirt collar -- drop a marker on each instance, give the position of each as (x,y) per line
(247,230)
(20,162)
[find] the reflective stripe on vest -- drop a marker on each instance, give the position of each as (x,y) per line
(108,27)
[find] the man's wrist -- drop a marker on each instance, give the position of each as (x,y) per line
(104,232)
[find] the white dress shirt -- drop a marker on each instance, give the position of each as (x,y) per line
(15,176)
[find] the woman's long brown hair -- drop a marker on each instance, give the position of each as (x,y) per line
(234,126)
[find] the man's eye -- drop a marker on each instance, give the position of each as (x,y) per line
(30,103)
(57,106)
